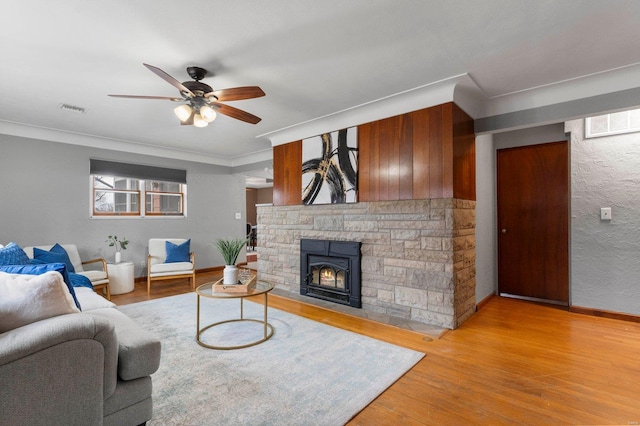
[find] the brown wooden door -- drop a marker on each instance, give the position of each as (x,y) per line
(533,222)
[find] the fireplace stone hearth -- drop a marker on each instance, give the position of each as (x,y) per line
(418,256)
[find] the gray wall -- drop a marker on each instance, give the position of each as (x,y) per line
(46,197)
(486,278)
(605,269)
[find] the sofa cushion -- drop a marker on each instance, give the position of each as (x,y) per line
(12,254)
(177,252)
(29,298)
(38,269)
(57,254)
(90,300)
(139,350)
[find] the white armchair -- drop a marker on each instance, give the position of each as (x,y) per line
(157,269)
(99,277)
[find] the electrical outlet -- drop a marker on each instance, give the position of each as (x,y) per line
(143,264)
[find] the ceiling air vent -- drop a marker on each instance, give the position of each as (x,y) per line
(72,108)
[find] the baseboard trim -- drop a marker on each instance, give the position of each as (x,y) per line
(604,314)
(481,304)
(212,269)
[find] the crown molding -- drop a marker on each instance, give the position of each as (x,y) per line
(81,139)
(421,97)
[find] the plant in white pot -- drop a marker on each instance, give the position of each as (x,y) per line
(119,244)
(230,248)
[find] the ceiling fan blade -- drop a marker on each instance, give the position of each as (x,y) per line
(236,113)
(164,98)
(237,93)
(172,81)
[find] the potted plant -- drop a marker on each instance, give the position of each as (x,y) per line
(230,248)
(119,244)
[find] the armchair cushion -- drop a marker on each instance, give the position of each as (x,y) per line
(158,248)
(177,252)
(96,277)
(171,268)
(30,298)
(57,254)
(12,254)
(159,269)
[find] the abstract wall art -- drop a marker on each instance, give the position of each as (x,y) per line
(330,168)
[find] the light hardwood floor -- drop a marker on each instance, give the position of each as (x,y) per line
(513,362)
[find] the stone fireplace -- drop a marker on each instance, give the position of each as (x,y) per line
(330,270)
(417,256)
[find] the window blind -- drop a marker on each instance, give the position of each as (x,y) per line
(137,171)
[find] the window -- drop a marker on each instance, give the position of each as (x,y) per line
(613,124)
(115,196)
(120,189)
(163,198)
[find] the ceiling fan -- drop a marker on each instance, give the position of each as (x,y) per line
(201,102)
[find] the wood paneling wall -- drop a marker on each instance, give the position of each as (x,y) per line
(287,174)
(464,155)
(423,154)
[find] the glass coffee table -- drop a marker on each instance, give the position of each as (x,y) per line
(260,288)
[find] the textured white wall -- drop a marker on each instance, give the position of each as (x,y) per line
(605,255)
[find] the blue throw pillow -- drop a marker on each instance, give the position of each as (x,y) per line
(78,280)
(12,254)
(177,252)
(57,254)
(39,269)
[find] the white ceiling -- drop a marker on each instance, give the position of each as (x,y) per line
(311,57)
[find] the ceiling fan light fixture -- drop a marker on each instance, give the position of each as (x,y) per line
(207,113)
(183,112)
(198,121)
(201,100)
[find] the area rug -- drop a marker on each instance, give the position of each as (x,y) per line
(308,373)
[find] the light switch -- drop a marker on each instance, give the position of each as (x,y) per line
(239,215)
(605,213)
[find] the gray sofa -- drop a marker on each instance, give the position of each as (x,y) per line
(88,368)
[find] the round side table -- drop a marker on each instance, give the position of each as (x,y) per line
(120,277)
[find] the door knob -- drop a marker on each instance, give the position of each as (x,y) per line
(504,230)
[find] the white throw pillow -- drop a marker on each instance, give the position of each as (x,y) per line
(29,298)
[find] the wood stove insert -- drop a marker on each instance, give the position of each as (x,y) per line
(330,270)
